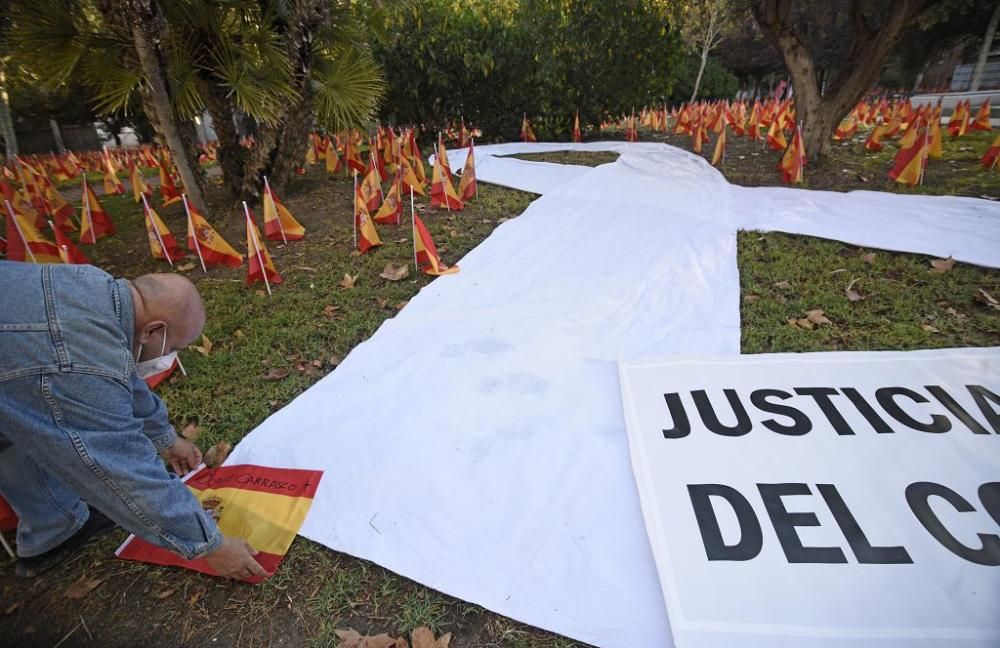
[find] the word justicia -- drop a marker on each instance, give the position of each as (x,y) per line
(885,410)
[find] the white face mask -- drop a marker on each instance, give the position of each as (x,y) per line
(161,363)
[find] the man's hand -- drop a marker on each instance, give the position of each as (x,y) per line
(235,559)
(183,456)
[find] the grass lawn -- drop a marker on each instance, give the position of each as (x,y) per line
(311,322)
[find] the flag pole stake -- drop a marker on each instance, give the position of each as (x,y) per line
(354,217)
(90,218)
(413,229)
(256,245)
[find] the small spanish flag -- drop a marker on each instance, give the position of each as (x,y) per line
(425,252)
(442,155)
(68,252)
(162,244)
(332,160)
(279,224)
(94,221)
(794,160)
(139,186)
(416,161)
(391,211)
(371,189)
(351,156)
(409,177)
(264,506)
(442,191)
(527,134)
(720,148)
(365,234)
(61,210)
(992,155)
(577,135)
(25,242)
(982,121)
(958,124)
(168,190)
(910,161)
(874,141)
(467,188)
(776,137)
(259,264)
(206,243)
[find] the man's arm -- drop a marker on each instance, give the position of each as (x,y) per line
(149,408)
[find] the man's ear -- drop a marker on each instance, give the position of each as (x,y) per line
(151,328)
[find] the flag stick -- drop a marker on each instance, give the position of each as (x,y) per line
(156,230)
(17,226)
(180,365)
(924,156)
(193,233)
(61,247)
(277,216)
(413,228)
(256,246)
(86,207)
(354,216)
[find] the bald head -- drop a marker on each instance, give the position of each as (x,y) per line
(169,313)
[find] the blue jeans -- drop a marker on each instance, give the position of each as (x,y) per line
(77,425)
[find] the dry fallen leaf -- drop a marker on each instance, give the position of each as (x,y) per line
(424,638)
(801,323)
(186,266)
(167,593)
(929,328)
(751,298)
(205,347)
(348,281)
(868,258)
(852,294)
(817,317)
(335,360)
(403,240)
(354,639)
(239,333)
(217,454)
(782,285)
(942,265)
(402,304)
(276,373)
(394,272)
(196,596)
(190,432)
(330,311)
(261,293)
(355,253)
(82,586)
(986,299)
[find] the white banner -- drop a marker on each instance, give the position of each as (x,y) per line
(822,499)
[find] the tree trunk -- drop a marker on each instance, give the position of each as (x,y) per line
(6,123)
(147,27)
(281,147)
(984,51)
(230,154)
(701,71)
(870,48)
(57,135)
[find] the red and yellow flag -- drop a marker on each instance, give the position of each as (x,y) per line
(352,157)
(366,236)
(442,191)
(168,190)
(371,190)
(874,141)
(391,211)
(467,188)
(442,156)
(139,186)
(264,506)
(162,244)
(210,248)
(794,160)
(425,252)
(992,155)
(112,185)
(934,143)
(527,134)
(982,121)
(776,137)
(908,167)
(720,149)
(94,221)
(260,267)
(846,128)
(61,210)
(279,224)
(68,252)
(577,135)
(332,160)
(25,242)
(409,177)
(958,124)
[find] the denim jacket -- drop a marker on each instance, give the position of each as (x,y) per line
(70,399)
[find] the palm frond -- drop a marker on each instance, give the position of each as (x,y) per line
(347,85)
